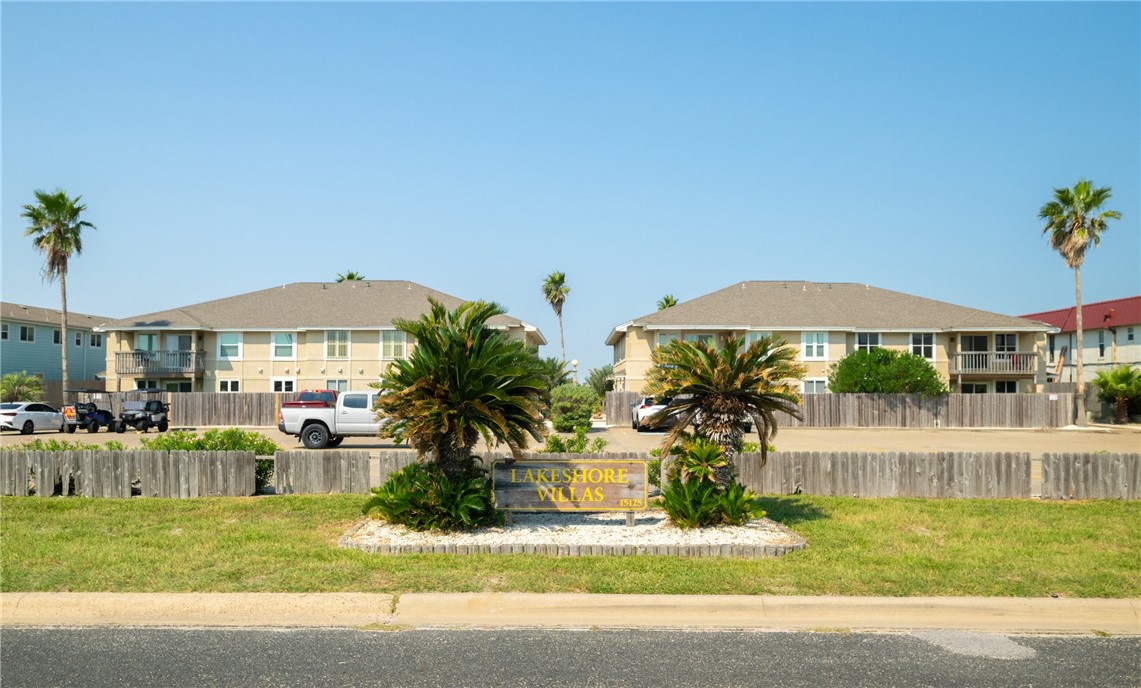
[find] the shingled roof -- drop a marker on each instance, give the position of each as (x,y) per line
(47,316)
(352,304)
(821,306)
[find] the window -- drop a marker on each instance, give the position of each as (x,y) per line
(1050,344)
(337,385)
(4,332)
(973,388)
(817,385)
(1006,343)
(751,337)
(665,338)
(1101,343)
(1006,386)
(706,339)
(923,344)
(392,344)
(283,346)
(96,340)
(1128,334)
(358,401)
(56,336)
(337,344)
(146,384)
(230,345)
(146,342)
(282,384)
(228,386)
(27,333)
(814,346)
(79,339)
(177,386)
(866,341)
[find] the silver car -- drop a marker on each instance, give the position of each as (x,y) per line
(29,416)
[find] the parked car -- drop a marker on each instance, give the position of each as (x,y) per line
(644,409)
(318,426)
(29,416)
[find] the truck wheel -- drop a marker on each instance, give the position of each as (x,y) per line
(335,441)
(315,436)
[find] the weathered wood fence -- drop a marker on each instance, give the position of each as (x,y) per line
(1091,476)
(193,409)
(949,475)
(906,410)
(321,472)
(179,474)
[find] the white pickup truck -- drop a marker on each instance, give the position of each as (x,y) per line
(320,427)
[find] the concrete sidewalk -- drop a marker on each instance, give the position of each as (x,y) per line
(571,611)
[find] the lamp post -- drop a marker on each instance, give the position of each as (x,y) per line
(574,369)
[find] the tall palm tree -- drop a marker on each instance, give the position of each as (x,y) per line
(555,292)
(716,389)
(463,380)
(1074,225)
(349,276)
(57,232)
(667,301)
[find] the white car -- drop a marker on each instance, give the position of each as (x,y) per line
(29,416)
(645,407)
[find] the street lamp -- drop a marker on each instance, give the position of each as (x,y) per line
(574,369)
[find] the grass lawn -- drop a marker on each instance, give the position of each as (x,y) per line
(886,547)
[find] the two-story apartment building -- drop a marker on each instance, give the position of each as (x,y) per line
(974,351)
(1111,334)
(31,340)
(305,335)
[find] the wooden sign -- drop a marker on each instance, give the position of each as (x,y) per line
(603,485)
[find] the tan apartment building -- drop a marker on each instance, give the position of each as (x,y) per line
(305,335)
(974,351)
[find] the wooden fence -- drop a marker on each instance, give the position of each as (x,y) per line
(321,472)
(952,475)
(906,411)
(1091,476)
(179,474)
(193,409)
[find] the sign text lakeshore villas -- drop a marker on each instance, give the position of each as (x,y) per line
(603,485)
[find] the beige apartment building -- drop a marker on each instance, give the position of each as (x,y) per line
(974,351)
(305,335)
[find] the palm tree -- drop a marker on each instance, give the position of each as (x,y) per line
(667,301)
(56,231)
(1073,225)
(349,276)
(464,380)
(21,387)
(555,292)
(716,389)
(1119,386)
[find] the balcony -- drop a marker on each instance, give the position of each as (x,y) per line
(160,363)
(1005,364)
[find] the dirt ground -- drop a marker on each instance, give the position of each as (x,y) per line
(1115,439)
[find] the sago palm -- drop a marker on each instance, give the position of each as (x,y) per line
(1073,226)
(555,291)
(717,389)
(463,381)
(57,232)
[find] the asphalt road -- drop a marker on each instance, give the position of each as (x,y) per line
(97,658)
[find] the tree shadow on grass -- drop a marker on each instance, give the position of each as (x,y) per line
(791,510)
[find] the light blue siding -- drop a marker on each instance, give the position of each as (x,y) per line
(44,357)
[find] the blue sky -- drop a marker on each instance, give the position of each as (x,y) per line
(643,149)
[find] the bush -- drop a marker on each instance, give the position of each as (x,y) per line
(66,445)
(557,444)
(693,499)
(571,406)
(215,439)
(421,498)
(884,371)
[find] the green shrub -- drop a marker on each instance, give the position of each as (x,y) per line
(884,371)
(421,498)
(216,439)
(557,444)
(694,499)
(654,468)
(66,445)
(571,406)
(693,504)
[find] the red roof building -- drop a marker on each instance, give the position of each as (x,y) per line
(1112,337)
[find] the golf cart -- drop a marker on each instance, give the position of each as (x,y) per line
(86,413)
(145,414)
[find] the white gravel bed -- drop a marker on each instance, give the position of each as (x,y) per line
(582,534)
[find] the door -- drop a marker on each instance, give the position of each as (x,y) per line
(974,351)
(355,415)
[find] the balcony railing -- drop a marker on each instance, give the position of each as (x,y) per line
(159,363)
(992,363)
